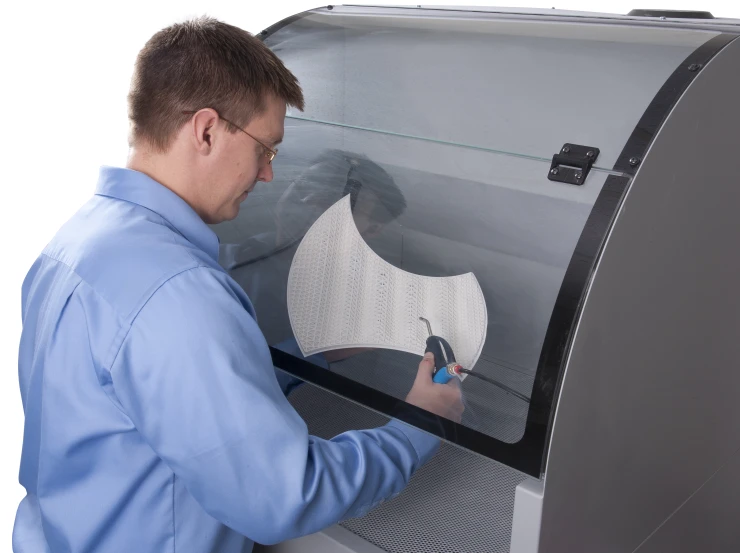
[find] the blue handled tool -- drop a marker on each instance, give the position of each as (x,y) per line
(445,366)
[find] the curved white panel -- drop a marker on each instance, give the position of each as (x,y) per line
(341,294)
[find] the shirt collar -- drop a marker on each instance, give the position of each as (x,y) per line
(135,187)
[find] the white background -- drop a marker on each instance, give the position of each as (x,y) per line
(65,74)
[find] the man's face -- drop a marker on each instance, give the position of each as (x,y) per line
(239,162)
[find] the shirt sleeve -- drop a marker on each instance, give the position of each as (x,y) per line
(195,376)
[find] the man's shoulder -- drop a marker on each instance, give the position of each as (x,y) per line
(123,252)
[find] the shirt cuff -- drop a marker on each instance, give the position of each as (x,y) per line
(424,444)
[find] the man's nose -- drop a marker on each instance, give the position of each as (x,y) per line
(265,174)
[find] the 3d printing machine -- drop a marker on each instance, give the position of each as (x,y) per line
(586,169)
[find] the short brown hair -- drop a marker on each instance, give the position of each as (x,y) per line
(203,63)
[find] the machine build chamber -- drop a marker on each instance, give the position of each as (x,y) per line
(585,168)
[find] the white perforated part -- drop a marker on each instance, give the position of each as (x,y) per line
(342,294)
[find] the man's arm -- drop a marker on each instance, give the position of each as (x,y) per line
(195,376)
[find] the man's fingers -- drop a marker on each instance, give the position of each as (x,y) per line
(453,388)
(426,367)
(454,397)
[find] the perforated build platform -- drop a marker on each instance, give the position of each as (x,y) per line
(458,503)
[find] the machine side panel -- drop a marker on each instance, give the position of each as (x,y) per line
(705,522)
(648,408)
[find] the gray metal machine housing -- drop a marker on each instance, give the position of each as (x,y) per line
(642,444)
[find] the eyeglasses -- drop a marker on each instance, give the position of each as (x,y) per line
(269,152)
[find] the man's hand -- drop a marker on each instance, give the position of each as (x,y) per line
(444,400)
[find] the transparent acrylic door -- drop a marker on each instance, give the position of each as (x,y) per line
(429,209)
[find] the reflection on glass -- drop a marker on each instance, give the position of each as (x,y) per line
(375,201)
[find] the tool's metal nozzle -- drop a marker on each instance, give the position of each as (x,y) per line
(429,327)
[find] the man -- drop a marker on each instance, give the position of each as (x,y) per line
(154,420)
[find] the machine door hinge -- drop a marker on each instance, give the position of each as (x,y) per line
(572,164)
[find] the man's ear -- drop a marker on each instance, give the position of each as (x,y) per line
(204,130)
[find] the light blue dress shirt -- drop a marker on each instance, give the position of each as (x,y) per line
(154,418)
